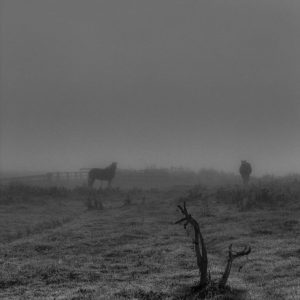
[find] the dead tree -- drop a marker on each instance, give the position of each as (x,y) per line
(201,253)
(200,247)
(232,255)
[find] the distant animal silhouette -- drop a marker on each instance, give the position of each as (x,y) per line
(245,171)
(106,174)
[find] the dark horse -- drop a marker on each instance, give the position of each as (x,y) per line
(245,171)
(106,174)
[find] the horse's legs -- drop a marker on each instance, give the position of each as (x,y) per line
(91,182)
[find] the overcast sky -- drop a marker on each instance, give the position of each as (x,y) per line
(199,83)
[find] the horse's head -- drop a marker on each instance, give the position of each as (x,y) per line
(113,165)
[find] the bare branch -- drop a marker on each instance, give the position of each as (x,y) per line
(231,257)
(200,248)
(181,220)
(181,209)
(245,251)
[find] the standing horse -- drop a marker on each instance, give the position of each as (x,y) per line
(245,171)
(106,174)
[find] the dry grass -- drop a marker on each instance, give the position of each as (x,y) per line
(135,251)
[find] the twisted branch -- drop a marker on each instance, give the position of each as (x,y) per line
(200,247)
(232,255)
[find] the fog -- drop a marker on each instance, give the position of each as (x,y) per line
(197,84)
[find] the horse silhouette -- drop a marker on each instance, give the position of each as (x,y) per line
(106,174)
(245,171)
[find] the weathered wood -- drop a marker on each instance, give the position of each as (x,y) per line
(231,257)
(200,247)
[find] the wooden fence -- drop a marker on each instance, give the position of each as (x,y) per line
(123,179)
(50,178)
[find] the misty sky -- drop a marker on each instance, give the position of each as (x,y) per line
(201,83)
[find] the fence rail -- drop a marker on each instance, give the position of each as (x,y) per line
(124,178)
(47,178)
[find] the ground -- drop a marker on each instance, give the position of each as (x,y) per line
(56,248)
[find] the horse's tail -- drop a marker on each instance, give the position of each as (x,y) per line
(91,179)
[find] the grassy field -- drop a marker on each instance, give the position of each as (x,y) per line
(55,248)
